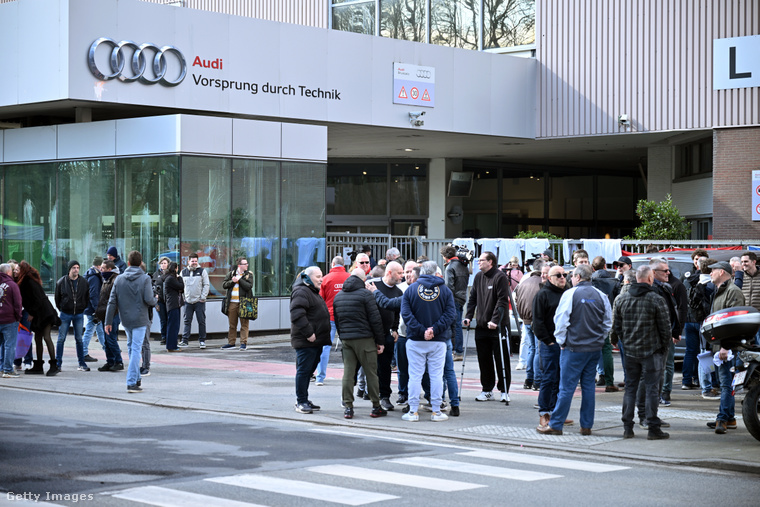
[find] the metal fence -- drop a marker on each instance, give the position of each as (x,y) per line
(414,247)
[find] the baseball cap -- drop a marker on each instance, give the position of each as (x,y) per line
(722,265)
(622,260)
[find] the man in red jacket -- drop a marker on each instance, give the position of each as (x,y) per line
(332,283)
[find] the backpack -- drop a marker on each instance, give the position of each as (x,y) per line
(105,295)
(699,302)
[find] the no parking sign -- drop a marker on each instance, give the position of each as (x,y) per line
(755,196)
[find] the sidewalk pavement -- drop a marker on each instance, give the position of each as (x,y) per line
(251,383)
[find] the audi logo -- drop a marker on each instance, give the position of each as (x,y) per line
(424,74)
(139,62)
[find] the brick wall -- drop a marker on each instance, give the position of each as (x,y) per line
(736,153)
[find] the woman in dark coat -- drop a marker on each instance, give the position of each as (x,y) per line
(173,289)
(41,314)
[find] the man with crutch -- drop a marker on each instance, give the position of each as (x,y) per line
(489,304)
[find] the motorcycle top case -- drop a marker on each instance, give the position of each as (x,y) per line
(731,325)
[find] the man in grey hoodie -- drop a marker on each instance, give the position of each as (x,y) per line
(131,296)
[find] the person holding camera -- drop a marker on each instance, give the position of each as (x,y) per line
(457,277)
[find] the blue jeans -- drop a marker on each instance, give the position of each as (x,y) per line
(531,358)
(113,351)
(307,360)
(727,403)
(93,327)
(8,337)
(648,370)
(547,396)
(450,376)
(135,337)
(456,330)
(325,356)
(402,362)
(68,320)
(172,328)
(667,384)
(162,318)
(691,337)
(576,366)
(199,309)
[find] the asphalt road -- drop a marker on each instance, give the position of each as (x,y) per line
(115,452)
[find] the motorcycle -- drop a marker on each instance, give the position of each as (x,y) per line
(735,328)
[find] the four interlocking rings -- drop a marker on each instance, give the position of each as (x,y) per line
(139,64)
(425,74)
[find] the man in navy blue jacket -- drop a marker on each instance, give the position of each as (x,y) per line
(428,310)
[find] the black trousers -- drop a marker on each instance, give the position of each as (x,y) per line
(490,356)
(384,367)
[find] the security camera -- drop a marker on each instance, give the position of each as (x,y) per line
(414,118)
(623,120)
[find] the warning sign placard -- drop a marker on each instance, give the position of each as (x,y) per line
(408,80)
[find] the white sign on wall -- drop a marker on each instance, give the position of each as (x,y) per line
(413,85)
(755,196)
(736,62)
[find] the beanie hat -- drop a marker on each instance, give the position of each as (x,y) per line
(72,264)
(113,251)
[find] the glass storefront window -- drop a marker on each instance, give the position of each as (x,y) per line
(403,19)
(357,189)
(30,217)
(206,211)
(523,195)
(256,221)
(455,23)
(508,24)
(358,17)
(85,212)
(571,197)
(409,189)
(303,223)
(147,203)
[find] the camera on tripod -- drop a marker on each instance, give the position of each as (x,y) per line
(464,255)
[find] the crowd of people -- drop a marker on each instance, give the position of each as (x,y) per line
(408,317)
(571,321)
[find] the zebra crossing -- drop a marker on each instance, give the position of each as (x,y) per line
(366,482)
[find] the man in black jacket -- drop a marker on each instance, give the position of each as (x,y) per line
(490,295)
(360,328)
(457,278)
(72,295)
(605,282)
(677,313)
(393,276)
(309,332)
(544,307)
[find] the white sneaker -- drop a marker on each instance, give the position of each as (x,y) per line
(484,396)
(520,366)
(411,417)
(505,398)
(319,383)
(202,345)
(438,417)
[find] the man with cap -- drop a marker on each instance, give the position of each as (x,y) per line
(113,255)
(72,295)
(622,265)
(727,295)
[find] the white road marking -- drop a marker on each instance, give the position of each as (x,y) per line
(471,468)
(164,497)
(303,489)
(544,461)
(386,477)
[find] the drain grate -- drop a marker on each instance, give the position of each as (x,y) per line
(571,435)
